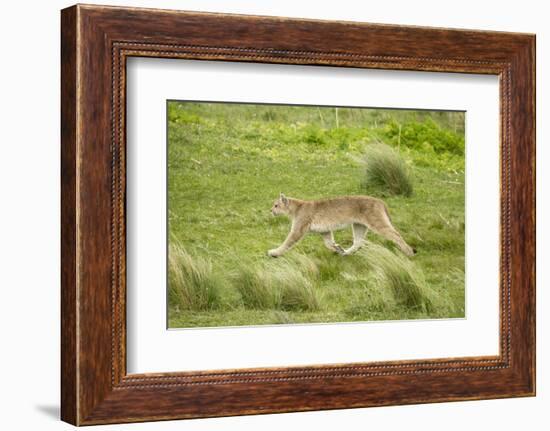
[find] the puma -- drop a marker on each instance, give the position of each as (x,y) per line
(327,215)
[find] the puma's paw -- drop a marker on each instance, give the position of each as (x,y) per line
(273,253)
(338,249)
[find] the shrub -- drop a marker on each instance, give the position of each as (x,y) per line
(424,136)
(386,171)
(179,115)
(192,285)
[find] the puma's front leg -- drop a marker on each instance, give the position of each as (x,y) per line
(328,239)
(297,231)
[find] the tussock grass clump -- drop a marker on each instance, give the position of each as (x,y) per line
(282,285)
(255,288)
(371,298)
(386,171)
(397,274)
(293,277)
(330,267)
(192,284)
(307,266)
(297,291)
(282,317)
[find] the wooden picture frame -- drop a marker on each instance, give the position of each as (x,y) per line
(95,43)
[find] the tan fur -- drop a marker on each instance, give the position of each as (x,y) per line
(327,215)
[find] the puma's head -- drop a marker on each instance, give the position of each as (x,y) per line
(280,206)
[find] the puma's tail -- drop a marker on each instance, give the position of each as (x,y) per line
(405,246)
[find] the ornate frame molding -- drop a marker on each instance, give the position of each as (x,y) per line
(96,41)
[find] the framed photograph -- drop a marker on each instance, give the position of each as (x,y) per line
(264,214)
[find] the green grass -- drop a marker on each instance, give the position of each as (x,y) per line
(228,162)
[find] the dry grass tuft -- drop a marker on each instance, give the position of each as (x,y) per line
(192,284)
(385,170)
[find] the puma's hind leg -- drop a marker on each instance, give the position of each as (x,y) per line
(393,235)
(359,232)
(328,239)
(386,230)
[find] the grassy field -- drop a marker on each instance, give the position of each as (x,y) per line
(227,163)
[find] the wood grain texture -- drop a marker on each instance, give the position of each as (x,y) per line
(96,41)
(69,367)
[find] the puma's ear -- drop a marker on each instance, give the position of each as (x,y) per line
(284,199)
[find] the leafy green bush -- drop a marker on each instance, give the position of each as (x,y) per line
(182,116)
(386,171)
(425,136)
